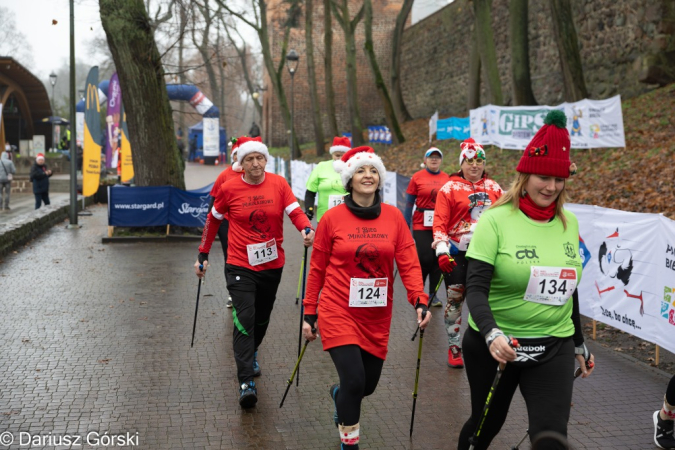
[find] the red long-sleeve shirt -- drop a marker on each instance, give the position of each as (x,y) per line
(425,186)
(256,215)
(224,176)
(347,248)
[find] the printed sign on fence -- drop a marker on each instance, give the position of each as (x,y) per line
(591,123)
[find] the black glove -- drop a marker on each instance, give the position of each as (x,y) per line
(311,320)
(424,308)
(203,257)
(310,213)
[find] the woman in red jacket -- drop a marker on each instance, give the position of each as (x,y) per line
(352,267)
(459,205)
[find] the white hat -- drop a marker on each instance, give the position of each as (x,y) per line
(355,158)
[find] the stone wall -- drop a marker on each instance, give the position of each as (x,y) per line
(384,20)
(614,35)
(34,223)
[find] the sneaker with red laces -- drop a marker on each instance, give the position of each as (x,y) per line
(455,357)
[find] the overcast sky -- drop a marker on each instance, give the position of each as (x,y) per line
(51,43)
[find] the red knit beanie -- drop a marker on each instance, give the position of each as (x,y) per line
(548,154)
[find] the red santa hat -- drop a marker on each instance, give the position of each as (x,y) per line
(246,145)
(340,144)
(355,158)
(40,155)
(548,154)
(470,149)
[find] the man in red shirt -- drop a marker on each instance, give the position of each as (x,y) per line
(255,203)
(230,172)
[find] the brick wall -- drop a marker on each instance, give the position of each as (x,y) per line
(384,20)
(613,35)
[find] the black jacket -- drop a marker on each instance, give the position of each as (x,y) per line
(40,179)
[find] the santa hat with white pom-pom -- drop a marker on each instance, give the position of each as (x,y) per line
(245,145)
(355,158)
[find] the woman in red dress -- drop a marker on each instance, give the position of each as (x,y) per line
(352,267)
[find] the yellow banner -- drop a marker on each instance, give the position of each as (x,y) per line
(125,153)
(91,151)
(91,164)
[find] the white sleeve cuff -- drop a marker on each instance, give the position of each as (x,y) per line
(289,209)
(216,214)
(442,248)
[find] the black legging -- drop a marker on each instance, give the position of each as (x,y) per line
(670,391)
(546,388)
(222,235)
(359,373)
(428,259)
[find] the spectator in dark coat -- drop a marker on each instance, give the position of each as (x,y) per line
(39,176)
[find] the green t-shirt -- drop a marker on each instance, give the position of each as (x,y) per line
(513,243)
(325,181)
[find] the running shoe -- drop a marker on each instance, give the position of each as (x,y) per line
(436,302)
(229,302)
(333,394)
(455,357)
(663,432)
(256,367)
(248,395)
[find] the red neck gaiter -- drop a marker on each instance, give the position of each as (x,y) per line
(535,212)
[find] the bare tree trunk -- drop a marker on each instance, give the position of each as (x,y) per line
(520,56)
(389,113)
(311,73)
(181,72)
(397,93)
(474,72)
(221,74)
(568,47)
(243,57)
(486,46)
(204,49)
(260,26)
(328,67)
(157,160)
(349,28)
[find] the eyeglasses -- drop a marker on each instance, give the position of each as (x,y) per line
(477,161)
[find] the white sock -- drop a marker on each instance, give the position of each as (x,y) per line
(349,434)
(668,411)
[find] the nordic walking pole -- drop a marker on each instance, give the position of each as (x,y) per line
(302,266)
(417,373)
(577,373)
(488,401)
(302,306)
(194,325)
(295,369)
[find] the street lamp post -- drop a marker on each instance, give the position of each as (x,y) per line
(292,60)
(52,81)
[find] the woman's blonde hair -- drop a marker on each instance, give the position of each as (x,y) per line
(515,193)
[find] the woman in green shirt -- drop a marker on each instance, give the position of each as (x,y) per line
(524,267)
(325,181)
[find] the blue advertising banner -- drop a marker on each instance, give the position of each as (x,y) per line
(453,128)
(189,208)
(138,206)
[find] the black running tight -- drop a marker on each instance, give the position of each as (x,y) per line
(359,373)
(428,260)
(546,388)
(670,391)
